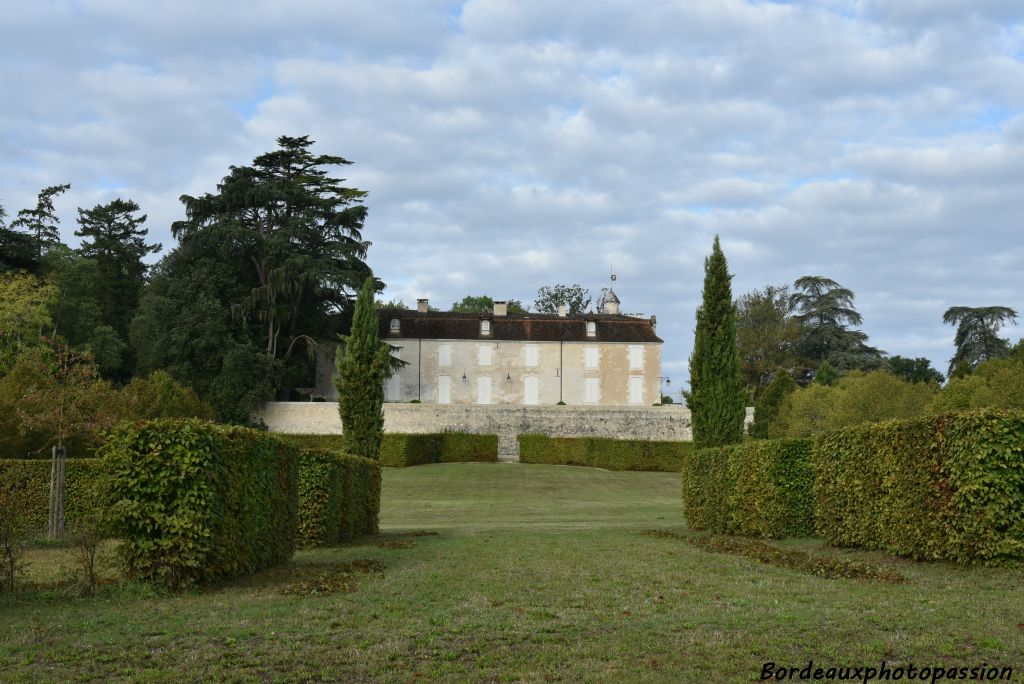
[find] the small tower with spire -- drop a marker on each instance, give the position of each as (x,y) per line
(610,303)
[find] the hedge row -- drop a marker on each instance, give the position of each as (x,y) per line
(196,501)
(758,488)
(942,487)
(401,450)
(600,452)
(408,449)
(339,497)
(29,483)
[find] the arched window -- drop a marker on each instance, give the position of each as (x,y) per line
(485,327)
(591,329)
(395,325)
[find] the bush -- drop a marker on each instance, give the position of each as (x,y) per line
(338,497)
(196,502)
(462,447)
(761,488)
(601,452)
(28,483)
(402,450)
(854,399)
(942,487)
(408,449)
(161,396)
(994,384)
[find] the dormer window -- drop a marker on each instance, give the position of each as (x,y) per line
(485,327)
(395,325)
(591,329)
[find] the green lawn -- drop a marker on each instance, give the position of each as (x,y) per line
(535,573)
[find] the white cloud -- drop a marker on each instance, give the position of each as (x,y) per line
(508,145)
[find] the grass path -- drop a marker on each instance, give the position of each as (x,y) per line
(535,574)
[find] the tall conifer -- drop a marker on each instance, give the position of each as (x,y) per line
(717,398)
(363,363)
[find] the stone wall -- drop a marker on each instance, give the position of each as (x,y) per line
(670,422)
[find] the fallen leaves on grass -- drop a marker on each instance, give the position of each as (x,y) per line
(402,540)
(794,560)
(316,579)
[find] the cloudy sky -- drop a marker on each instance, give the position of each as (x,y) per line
(512,144)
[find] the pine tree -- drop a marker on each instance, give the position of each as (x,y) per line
(364,363)
(717,398)
(113,235)
(42,223)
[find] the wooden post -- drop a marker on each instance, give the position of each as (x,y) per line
(51,521)
(55,522)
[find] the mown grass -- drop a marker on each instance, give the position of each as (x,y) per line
(536,573)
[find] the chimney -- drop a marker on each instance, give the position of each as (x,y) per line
(654,322)
(562,310)
(422,305)
(501,308)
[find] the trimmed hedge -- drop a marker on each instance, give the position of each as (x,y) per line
(941,487)
(196,502)
(409,449)
(29,481)
(402,449)
(601,452)
(762,488)
(339,497)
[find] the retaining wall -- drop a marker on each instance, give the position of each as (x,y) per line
(670,422)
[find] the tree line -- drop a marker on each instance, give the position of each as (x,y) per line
(794,352)
(265,269)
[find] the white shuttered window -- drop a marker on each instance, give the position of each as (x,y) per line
(591,390)
(484,354)
(636,391)
(532,355)
(531,390)
(444,355)
(636,357)
(590,358)
(483,390)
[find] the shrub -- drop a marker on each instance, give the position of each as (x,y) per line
(854,399)
(161,396)
(311,442)
(28,483)
(942,487)
(409,449)
(196,502)
(762,488)
(993,384)
(462,447)
(402,450)
(338,497)
(601,452)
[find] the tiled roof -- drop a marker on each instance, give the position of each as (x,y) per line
(448,325)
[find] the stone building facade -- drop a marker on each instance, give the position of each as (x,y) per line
(503,359)
(498,358)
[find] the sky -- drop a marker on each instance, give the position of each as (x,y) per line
(506,145)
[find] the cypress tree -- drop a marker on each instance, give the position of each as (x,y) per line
(363,364)
(717,397)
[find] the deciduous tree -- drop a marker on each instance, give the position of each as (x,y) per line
(575,298)
(914,370)
(484,304)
